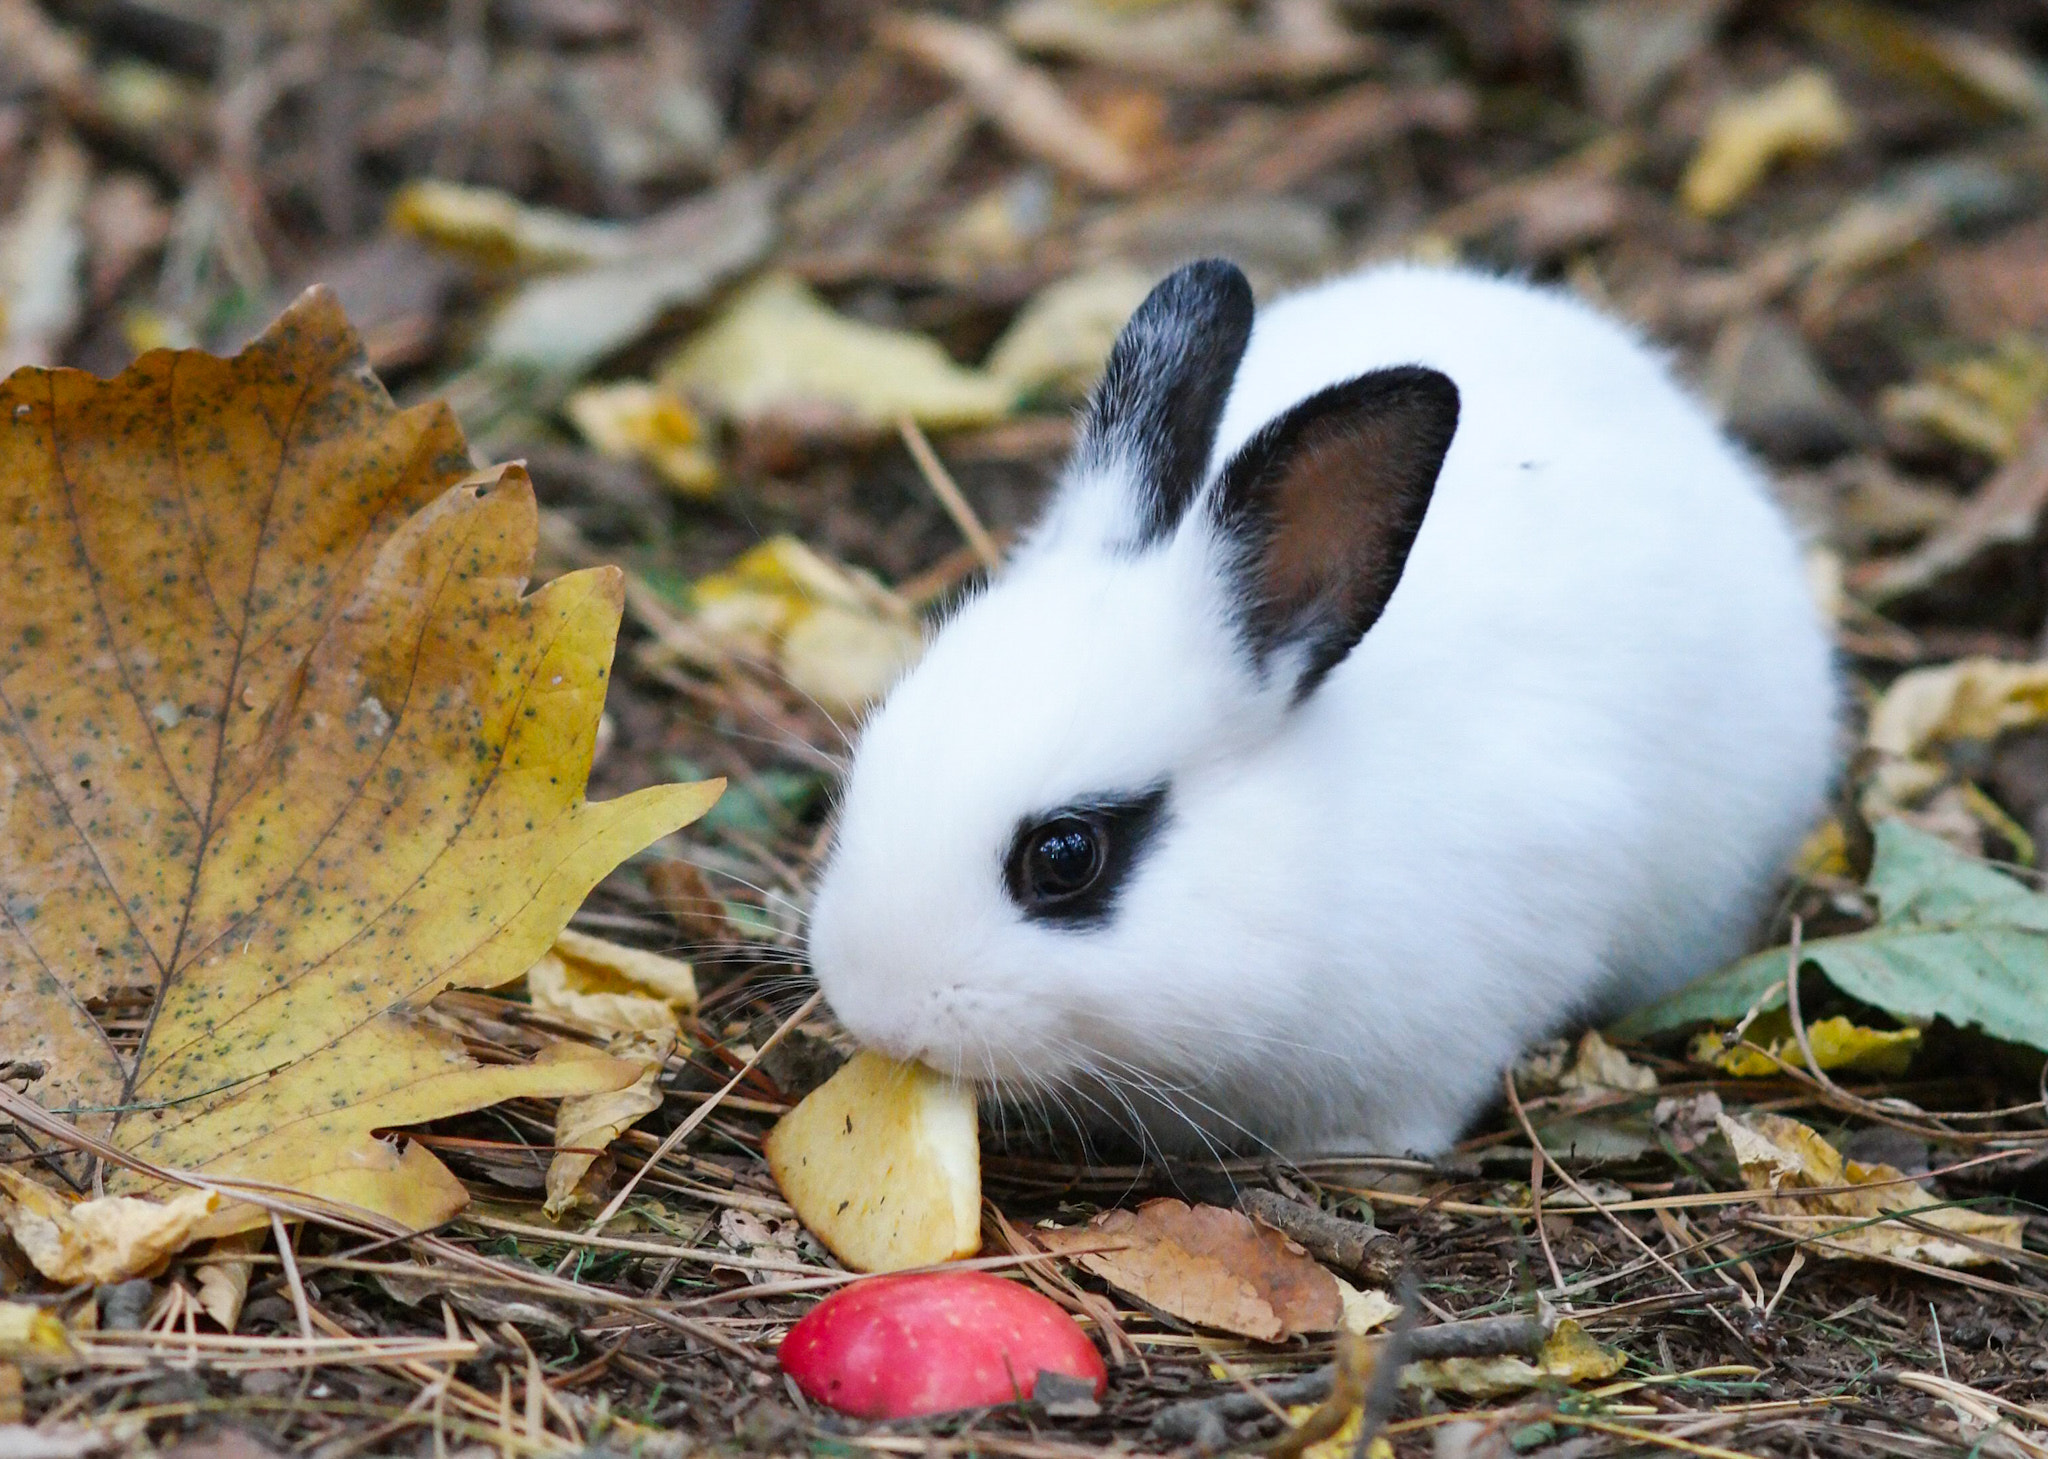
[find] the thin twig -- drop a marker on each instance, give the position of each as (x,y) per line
(948,492)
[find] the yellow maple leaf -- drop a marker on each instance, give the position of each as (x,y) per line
(286,749)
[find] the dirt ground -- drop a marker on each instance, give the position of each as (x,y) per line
(1855,274)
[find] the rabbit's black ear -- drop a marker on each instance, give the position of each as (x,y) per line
(1154,413)
(1317,512)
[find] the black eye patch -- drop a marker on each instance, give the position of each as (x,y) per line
(1066,866)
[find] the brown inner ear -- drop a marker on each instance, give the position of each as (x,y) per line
(1340,525)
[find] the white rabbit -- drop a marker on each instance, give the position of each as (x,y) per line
(1372,700)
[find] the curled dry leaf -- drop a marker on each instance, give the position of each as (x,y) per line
(883,1163)
(1784,1156)
(223,1276)
(778,355)
(833,632)
(634,420)
(1365,1308)
(1970,699)
(108,1239)
(1590,1067)
(1597,1067)
(1909,777)
(586,1123)
(497,229)
(1206,1265)
(1924,710)
(615,990)
(1799,115)
(288,750)
(559,325)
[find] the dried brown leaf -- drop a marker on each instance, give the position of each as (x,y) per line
(1207,1265)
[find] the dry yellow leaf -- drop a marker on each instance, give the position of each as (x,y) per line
(288,749)
(1825,852)
(1984,403)
(1971,699)
(614,989)
(779,354)
(109,1239)
(32,1333)
(1061,339)
(833,632)
(1207,1265)
(1343,1443)
(1569,1355)
(634,420)
(1365,1309)
(883,1163)
(1597,1066)
(498,230)
(223,1277)
(1589,1068)
(1836,1042)
(586,1123)
(1784,1156)
(1801,114)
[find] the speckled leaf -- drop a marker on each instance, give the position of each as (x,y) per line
(285,750)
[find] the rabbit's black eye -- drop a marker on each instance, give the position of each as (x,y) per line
(1066,867)
(1063,859)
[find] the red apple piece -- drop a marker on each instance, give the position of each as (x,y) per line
(931,1342)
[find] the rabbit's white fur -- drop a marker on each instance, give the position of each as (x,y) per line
(1560,774)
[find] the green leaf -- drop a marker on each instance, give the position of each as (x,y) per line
(1956,939)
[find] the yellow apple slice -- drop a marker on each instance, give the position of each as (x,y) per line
(883,1163)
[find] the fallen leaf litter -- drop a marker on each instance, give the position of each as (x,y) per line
(1858,296)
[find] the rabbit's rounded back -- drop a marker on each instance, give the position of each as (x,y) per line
(1422,668)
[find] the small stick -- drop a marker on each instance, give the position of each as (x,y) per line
(1798,1018)
(1538,1159)
(1384,1390)
(947,491)
(1351,1246)
(289,1260)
